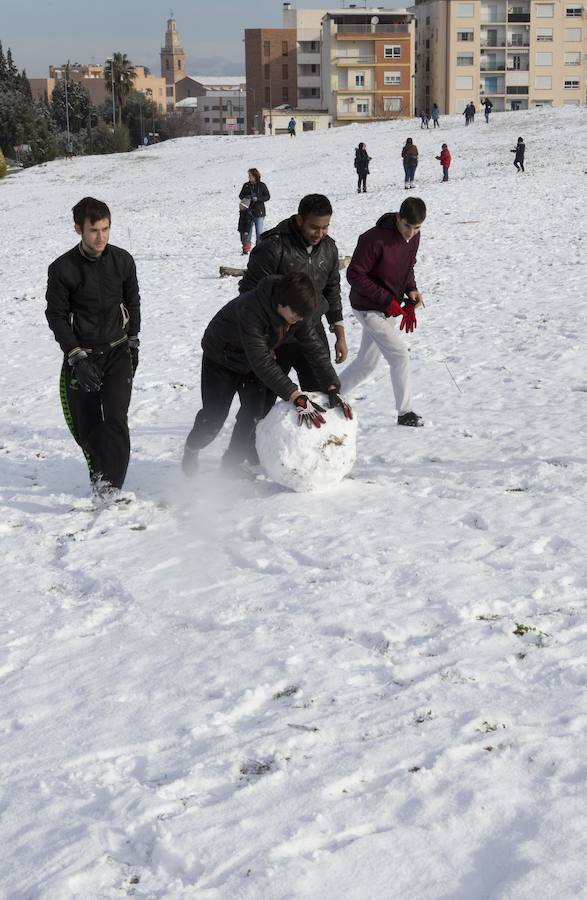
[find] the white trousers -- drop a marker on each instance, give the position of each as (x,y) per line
(381,338)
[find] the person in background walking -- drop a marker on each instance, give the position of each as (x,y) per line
(257,193)
(473,110)
(488,107)
(435,115)
(410,158)
(467,114)
(445,161)
(291,127)
(520,151)
(362,160)
(425,119)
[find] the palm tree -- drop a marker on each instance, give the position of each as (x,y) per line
(124,75)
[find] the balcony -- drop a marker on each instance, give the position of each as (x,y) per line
(354,61)
(517,89)
(391,28)
(494,66)
(519,44)
(521,18)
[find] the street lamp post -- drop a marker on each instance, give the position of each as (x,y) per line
(111,61)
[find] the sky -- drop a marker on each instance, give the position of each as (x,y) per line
(50,33)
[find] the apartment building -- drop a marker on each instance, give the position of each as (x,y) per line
(307,24)
(218,102)
(271,71)
(93,79)
(368,64)
(520,53)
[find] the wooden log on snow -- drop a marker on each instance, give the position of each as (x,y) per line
(226,271)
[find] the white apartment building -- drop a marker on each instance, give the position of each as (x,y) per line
(520,53)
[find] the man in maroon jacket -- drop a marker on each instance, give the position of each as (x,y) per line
(383,287)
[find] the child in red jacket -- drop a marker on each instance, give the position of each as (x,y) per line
(445,161)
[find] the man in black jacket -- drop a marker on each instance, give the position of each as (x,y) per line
(301,244)
(93,309)
(239,357)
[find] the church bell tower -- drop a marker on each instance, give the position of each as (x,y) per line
(172,61)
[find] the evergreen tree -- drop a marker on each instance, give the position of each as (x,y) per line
(2,67)
(78,102)
(25,85)
(3,166)
(12,77)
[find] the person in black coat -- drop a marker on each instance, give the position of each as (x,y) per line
(93,309)
(253,196)
(362,160)
(520,151)
(239,357)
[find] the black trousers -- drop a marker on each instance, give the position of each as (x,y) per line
(219,385)
(362,181)
(99,420)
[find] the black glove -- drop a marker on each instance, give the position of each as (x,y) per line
(336,400)
(85,370)
(309,412)
(133,346)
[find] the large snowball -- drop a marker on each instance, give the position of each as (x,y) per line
(304,459)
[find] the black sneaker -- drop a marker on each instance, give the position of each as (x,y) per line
(190,462)
(410,419)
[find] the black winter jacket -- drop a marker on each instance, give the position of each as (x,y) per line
(243,335)
(261,191)
(282,250)
(92,302)
(362,159)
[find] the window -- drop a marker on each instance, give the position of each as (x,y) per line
(179,63)
(465,34)
(545,10)
(267,71)
(392,51)
(266,48)
(571,84)
(544,59)
(285,94)
(284,48)
(206,119)
(573,59)
(465,9)
(392,78)
(268,96)
(573,11)
(284,71)
(360,80)
(428,20)
(543,82)
(464,59)
(544,34)
(573,34)
(392,104)
(167,64)
(464,82)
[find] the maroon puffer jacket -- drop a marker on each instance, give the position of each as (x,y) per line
(382,266)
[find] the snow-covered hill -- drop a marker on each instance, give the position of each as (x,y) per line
(375,693)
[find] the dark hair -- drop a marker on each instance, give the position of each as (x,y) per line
(314,205)
(90,208)
(255,173)
(520,140)
(297,291)
(409,141)
(413,210)
(445,146)
(360,147)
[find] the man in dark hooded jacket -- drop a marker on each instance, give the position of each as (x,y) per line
(239,347)
(301,244)
(383,287)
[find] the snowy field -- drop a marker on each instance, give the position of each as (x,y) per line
(373,693)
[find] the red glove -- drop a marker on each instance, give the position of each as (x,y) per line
(309,412)
(407,312)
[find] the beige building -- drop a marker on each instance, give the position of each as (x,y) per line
(519,53)
(368,64)
(92,78)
